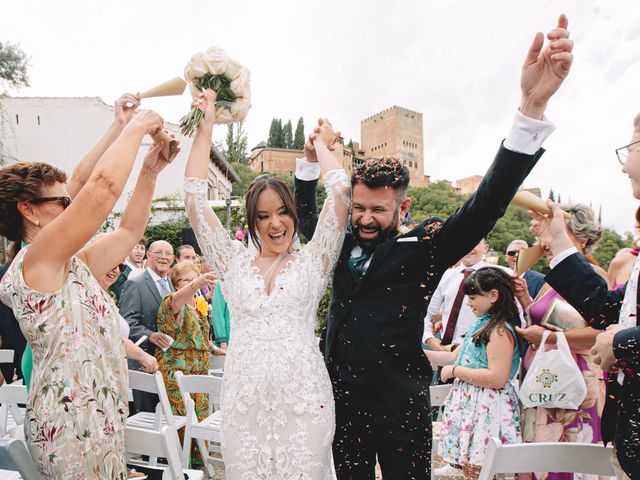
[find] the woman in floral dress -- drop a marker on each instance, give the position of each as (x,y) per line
(184,317)
(77,403)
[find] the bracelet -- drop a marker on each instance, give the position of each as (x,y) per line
(453,371)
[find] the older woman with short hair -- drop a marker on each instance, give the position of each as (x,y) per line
(78,398)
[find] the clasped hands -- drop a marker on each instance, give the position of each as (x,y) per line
(322,136)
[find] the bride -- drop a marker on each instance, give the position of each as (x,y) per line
(277,403)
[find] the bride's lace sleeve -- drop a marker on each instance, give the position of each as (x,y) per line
(332,222)
(217,246)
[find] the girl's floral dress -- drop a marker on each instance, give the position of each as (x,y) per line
(75,423)
(472,415)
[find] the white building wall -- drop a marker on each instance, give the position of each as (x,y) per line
(60,131)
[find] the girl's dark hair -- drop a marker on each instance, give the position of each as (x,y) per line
(259,185)
(504,311)
(19,182)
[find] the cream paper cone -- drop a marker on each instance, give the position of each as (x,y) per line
(527,258)
(529,201)
(170,149)
(171,87)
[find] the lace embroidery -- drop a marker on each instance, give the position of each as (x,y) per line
(277,402)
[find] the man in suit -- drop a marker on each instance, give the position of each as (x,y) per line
(132,267)
(139,303)
(535,280)
(617,349)
(383,280)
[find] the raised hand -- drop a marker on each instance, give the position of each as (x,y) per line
(150,122)
(206,279)
(154,161)
(545,69)
(309,149)
(125,108)
(206,101)
(551,229)
(325,133)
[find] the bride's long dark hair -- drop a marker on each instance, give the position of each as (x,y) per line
(259,185)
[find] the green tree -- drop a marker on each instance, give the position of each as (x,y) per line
(170,231)
(275,134)
(235,148)
(287,135)
(13,66)
(608,246)
(552,197)
(246,177)
(298,138)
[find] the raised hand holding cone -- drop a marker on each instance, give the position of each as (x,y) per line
(529,201)
(175,86)
(170,149)
(527,258)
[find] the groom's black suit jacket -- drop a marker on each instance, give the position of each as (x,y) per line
(375,325)
(577,282)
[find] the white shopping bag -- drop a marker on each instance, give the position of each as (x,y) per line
(553,379)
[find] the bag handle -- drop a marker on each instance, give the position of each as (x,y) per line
(562,344)
(545,335)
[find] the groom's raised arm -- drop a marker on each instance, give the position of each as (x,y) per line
(543,72)
(306,185)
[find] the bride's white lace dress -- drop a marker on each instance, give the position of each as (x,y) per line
(277,406)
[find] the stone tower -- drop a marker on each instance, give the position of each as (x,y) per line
(397,132)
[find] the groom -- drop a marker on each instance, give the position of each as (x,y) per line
(384,279)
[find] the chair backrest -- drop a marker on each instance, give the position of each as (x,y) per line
(15,456)
(10,396)
(217,362)
(156,443)
(188,384)
(152,383)
(6,356)
(546,457)
(438,394)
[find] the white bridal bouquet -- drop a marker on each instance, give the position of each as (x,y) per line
(229,79)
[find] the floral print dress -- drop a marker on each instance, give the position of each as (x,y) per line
(77,407)
(472,414)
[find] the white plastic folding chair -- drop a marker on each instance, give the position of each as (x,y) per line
(163,416)
(437,394)
(207,429)
(11,414)
(6,356)
(585,458)
(161,443)
(15,457)
(216,362)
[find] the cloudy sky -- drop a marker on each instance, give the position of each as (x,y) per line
(458,62)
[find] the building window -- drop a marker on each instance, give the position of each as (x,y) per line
(17,120)
(262,166)
(38,119)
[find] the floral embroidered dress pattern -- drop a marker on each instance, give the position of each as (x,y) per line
(277,403)
(78,397)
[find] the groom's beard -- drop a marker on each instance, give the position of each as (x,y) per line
(370,245)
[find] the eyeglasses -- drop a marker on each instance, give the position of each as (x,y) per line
(162,254)
(513,253)
(66,201)
(623,152)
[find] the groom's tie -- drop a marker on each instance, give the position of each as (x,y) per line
(357,264)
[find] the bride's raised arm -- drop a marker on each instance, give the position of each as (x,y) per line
(332,222)
(214,241)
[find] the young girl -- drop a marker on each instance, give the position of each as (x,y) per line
(482,402)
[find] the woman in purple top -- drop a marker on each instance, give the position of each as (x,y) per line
(557,424)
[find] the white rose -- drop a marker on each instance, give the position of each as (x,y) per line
(216,60)
(240,86)
(223,116)
(233,69)
(240,109)
(196,67)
